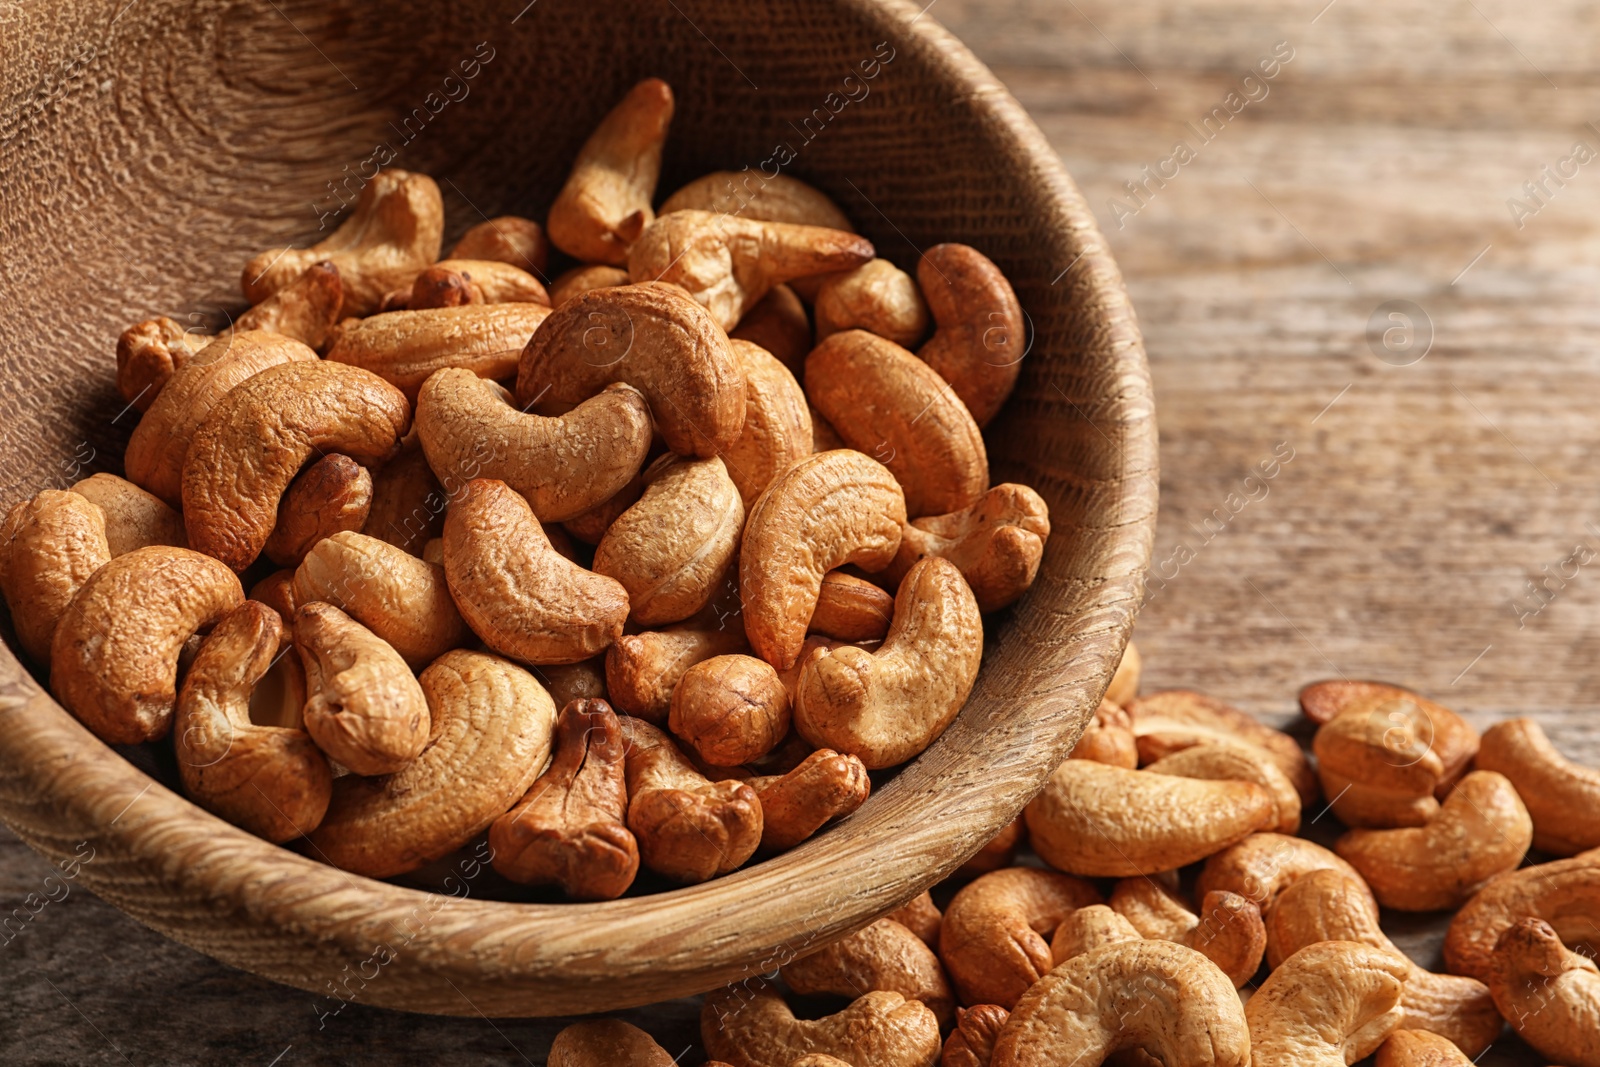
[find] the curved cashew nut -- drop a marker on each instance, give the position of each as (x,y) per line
(652,337)
(993,935)
(1442,730)
(778,324)
(728,263)
(777,423)
(253,443)
(921,916)
(1166,1000)
(851,609)
(971,1043)
(1178,718)
(888,706)
(1124,687)
(148,353)
(566,682)
(730,710)
(114,657)
(1228,931)
(1550,994)
(749,1025)
(997,543)
(590,526)
(753,195)
(882,956)
(1264,865)
(364,708)
(688,828)
(408,503)
(569,829)
(1329,905)
(825,786)
(1561,796)
(1000,852)
(564,466)
(394,230)
(1296,1022)
(579,280)
(606,1043)
(515,591)
(877,297)
(134,518)
(1087,929)
(643,670)
(1481,831)
(829,509)
(1228,761)
(605,203)
(1108,738)
(506,239)
(1379,768)
(159,444)
(1564,893)
(1419,1048)
(981,336)
(886,402)
(333,495)
(405,348)
(491,735)
(305,309)
(1097,820)
(50,546)
(456,281)
(273,781)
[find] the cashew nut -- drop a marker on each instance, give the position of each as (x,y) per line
(689,829)
(605,203)
(778,324)
(591,525)
(1229,761)
(882,956)
(408,503)
(1329,905)
(405,347)
(149,353)
(456,281)
(1087,929)
(569,829)
(490,738)
(1000,852)
(777,423)
(276,591)
(272,781)
(730,710)
(1564,893)
(749,1025)
(981,337)
(1481,831)
(921,916)
(1108,738)
(971,1043)
(997,543)
(829,509)
(305,309)
(889,705)
(564,465)
(515,591)
(1328,1005)
(331,496)
(889,404)
(1165,1000)
(256,439)
(114,657)
(1264,865)
(754,195)
(393,231)
(1416,723)
(851,609)
(1549,994)
(50,547)
(506,239)
(134,518)
(1098,820)
(1418,1048)
(993,935)
(606,1043)
(579,280)
(728,263)
(1561,796)
(1178,718)
(566,682)
(1124,687)
(825,786)
(877,297)
(1228,931)
(643,670)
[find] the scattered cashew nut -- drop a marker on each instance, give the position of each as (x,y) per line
(749,1025)
(1296,1019)
(506,239)
(1228,931)
(1564,893)
(882,956)
(1549,994)
(606,1043)
(1178,718)
(1561,796)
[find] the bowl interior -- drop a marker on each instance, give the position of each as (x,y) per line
(155,147)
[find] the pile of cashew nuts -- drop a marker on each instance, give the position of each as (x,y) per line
(583,568)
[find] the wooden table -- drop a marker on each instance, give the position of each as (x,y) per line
(1426,471)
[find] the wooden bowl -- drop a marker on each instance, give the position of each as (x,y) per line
(167,141)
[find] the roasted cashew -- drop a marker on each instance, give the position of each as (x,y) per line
(728,263)
(393,231)
(1264,865)
(1481,831)
(689,829)
(1165,1000)
(749,1025)
(515,591)
(889,404)
(1561,796)
(506,239)
(829,509)
(1124,687)
(333,495)
(569,829)
(408,503)
(276,591)
(605,203)
(997,543)
(1549,994)
(730,710)
(1087,929)
(1415,719)
(921,916)
(1108,738)
(491,735)
(606,1043)
(566,682)
(305,309)
(1229,761)
(971,1043)
(253,443)
(1098,820)
(754,195)
(981,336)
(882,956)
(134,518)
(405,347)
(1418,1048)
(1228,931)
(1330,1004)
(993,935)
(270,780)
(654,338)
(1329,905)
(50,546)
(159,444)
(456,281)
(778,324)
(825,786)
(1178,718)
(1378,768)
(590,526)
(851,609)
(1564,893)
(642,670)
(364,707)
(877,297)
(114,657)
(888,706)
(1001,851)
(579,280)
(777,423)
(824,438)
(564,465)
(148,354)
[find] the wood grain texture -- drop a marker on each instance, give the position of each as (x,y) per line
(187,137)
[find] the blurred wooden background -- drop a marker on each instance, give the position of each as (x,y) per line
(1412,497)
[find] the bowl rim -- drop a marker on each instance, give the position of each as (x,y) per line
(272,911)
